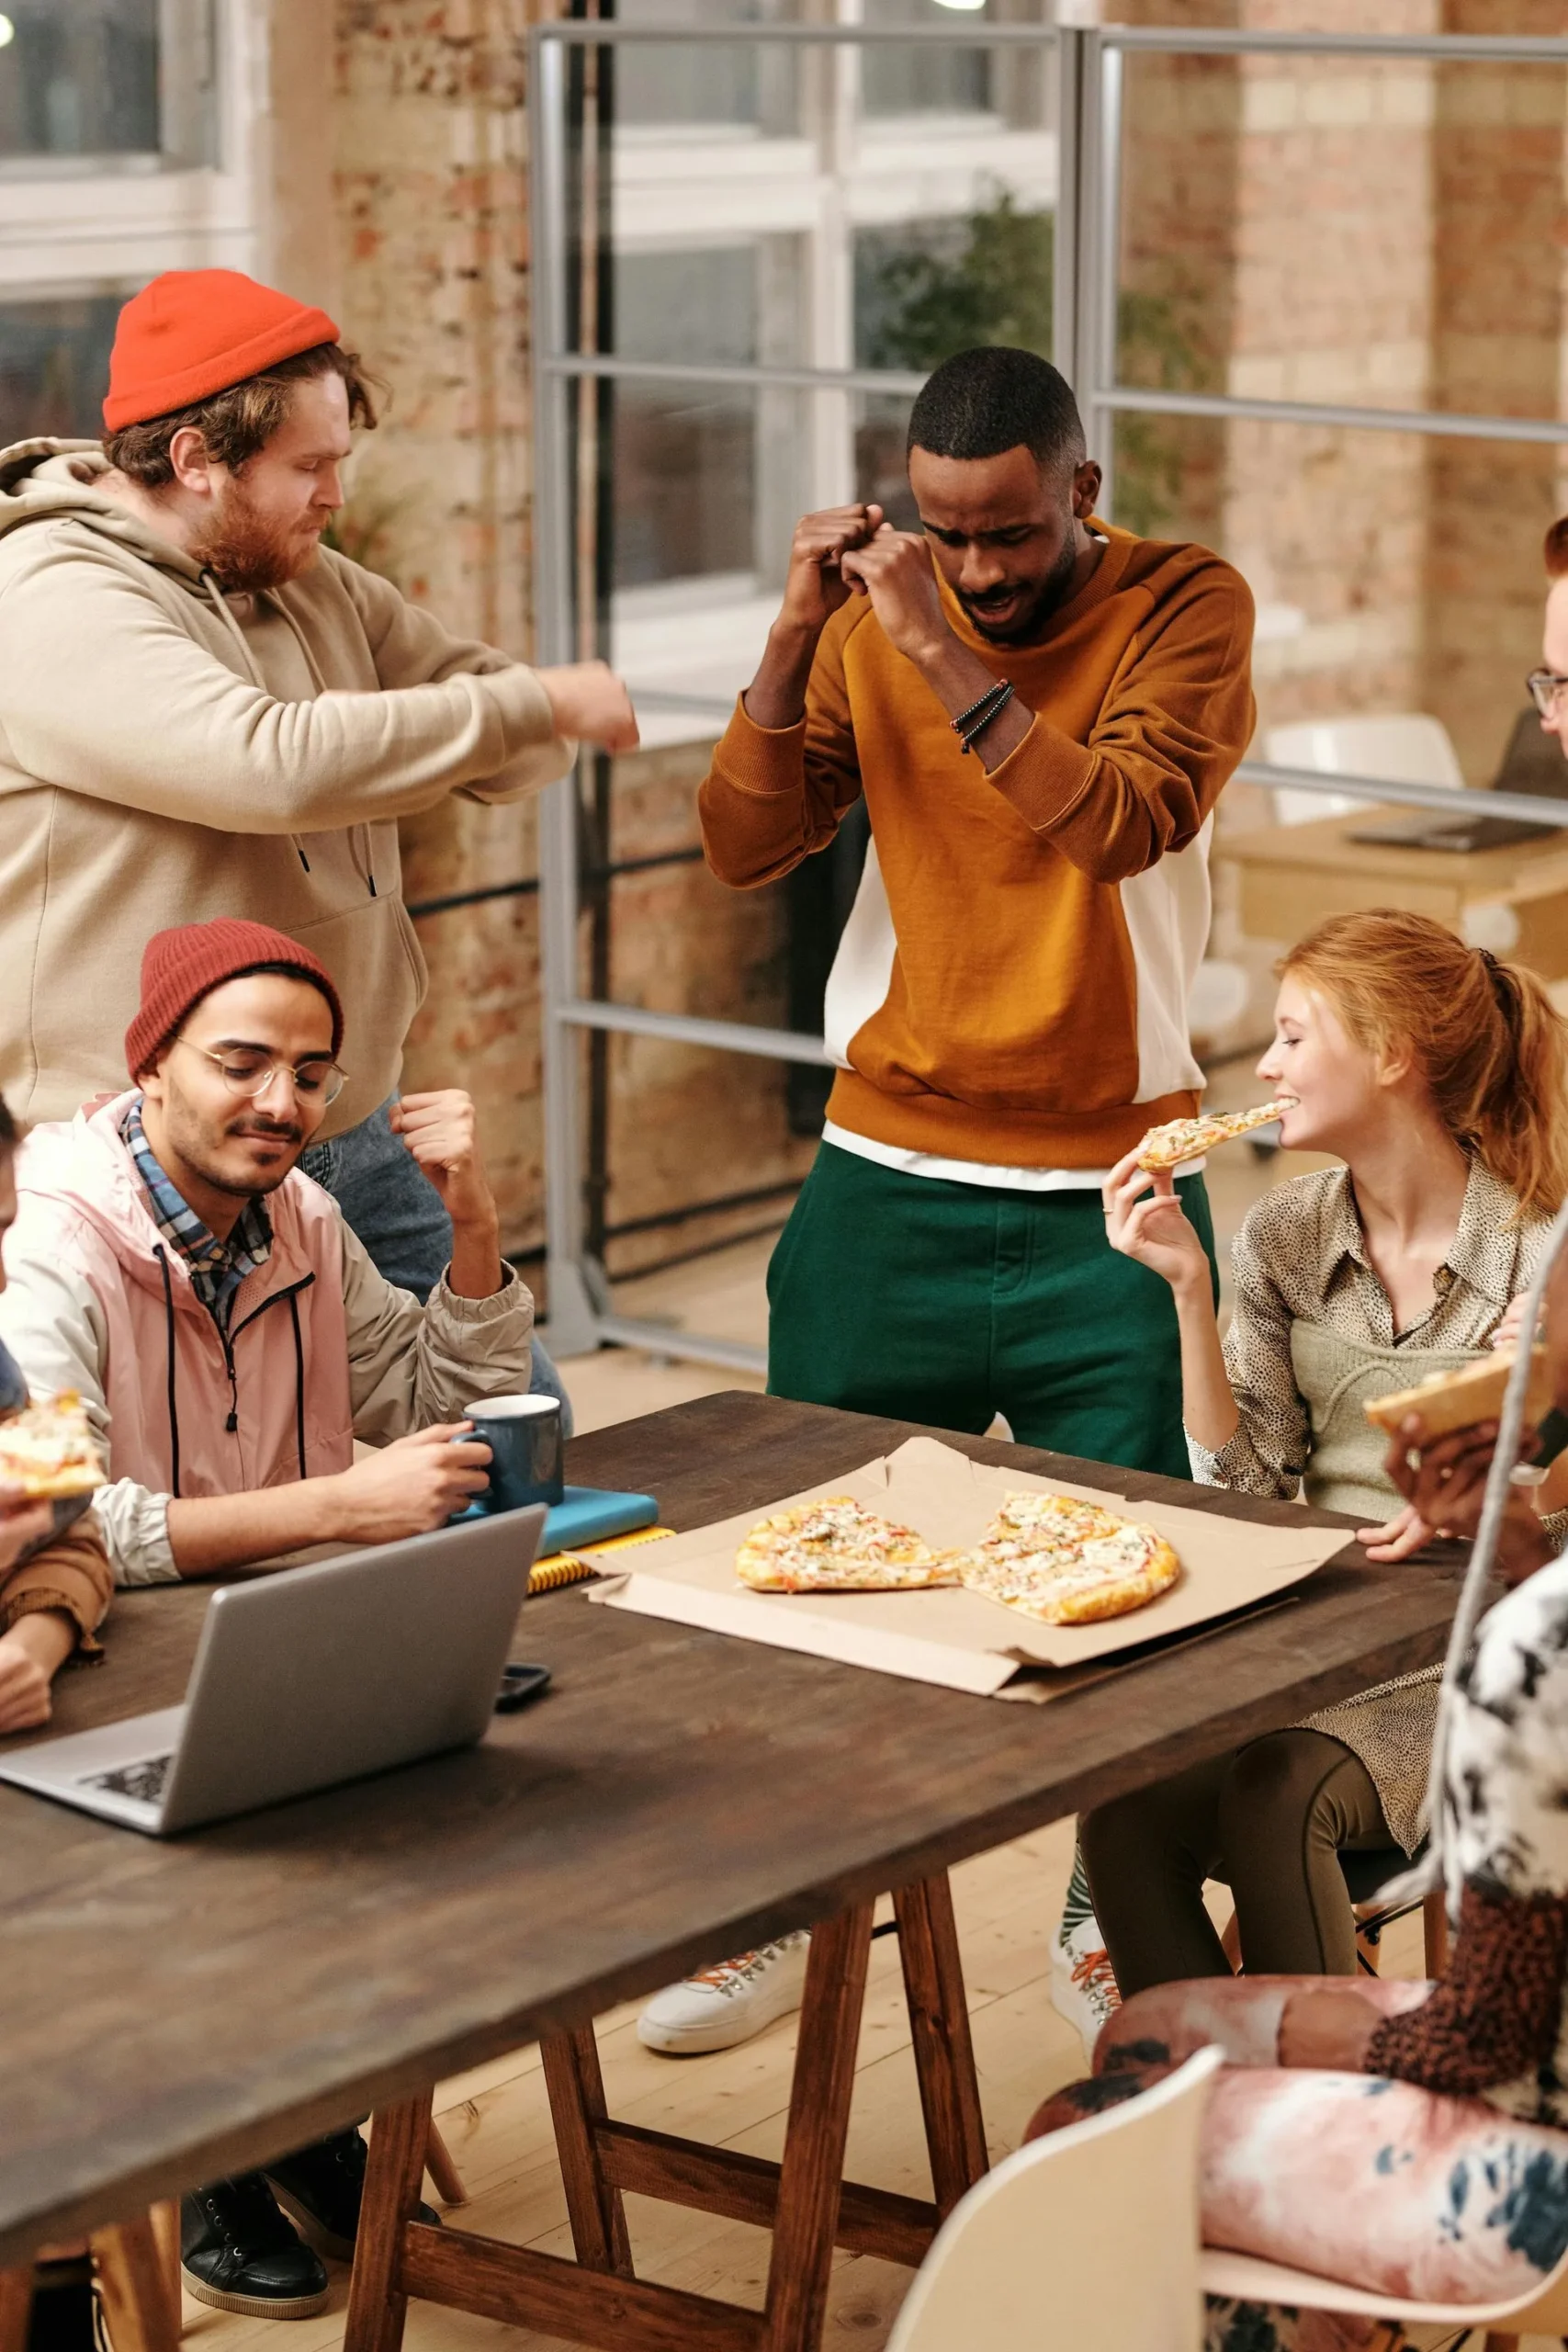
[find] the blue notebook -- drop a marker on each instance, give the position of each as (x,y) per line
(588,1514)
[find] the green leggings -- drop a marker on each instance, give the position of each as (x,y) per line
(1270,1819)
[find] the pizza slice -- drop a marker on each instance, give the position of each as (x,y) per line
(1181,1140)
(1068,1563)
(837,1546)
(49,1450)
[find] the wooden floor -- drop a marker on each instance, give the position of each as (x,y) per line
(497,2125)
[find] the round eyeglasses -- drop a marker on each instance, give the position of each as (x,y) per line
(1546,687)
(247,1071)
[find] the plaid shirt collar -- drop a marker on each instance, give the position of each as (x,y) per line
(217,1267)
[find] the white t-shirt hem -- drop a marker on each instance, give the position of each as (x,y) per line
(977,1171)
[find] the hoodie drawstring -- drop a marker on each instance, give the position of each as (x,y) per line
(210,582)
(308,658)
(298,1383)
(162,1256)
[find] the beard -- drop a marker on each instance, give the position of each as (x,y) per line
(247,551)
(194,1143)
(1051,593)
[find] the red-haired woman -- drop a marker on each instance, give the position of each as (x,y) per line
(1439,1078)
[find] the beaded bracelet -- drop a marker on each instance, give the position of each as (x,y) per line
(1003,697)
(964,718)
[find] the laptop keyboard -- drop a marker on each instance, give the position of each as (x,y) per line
(144,1780)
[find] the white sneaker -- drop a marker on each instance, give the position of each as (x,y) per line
(1083,1984)
(727,2004)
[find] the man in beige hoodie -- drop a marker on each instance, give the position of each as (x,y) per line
(204,713)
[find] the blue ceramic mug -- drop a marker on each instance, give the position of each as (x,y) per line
(524,1435)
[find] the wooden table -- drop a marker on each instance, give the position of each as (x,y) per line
(173,2012)
(1295,876)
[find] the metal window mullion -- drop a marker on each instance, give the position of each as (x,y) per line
(1067,230)
(1460,425)
(572,1321)
(1100,246)
(1474,49)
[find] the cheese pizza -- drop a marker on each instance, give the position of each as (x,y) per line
(1068,1563)
(1181,1140)
(49,1450)
(837,1546)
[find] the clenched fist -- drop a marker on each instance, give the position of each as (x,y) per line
(816,585)
(894,568)
(589,704)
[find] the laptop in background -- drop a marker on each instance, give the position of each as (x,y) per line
(310,1677)
(1532,764)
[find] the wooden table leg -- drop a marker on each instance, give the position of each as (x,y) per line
(597,2210)
(16,2304)
(133,2282)
(813,2168)
(944,2051)
(167,2231)
(445,2178)
(394,2175)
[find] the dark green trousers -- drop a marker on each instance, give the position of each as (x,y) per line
(948,1303)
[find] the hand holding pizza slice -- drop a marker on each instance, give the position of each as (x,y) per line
(47,1451)
(1183,1139)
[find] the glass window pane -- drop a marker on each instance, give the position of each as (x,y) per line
(916,79)
(80,78)
(86,81)
(1366,232)
(706,81)
(928,287)
(1393,572)
(54,364)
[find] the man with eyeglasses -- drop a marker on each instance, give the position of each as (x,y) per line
(222,1324)
(230,1339)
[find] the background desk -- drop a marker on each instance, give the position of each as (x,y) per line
(1293,877)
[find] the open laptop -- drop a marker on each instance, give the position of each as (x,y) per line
(1532,764)
(308,1677)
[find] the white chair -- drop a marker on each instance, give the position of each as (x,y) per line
(1543,2312)
(1401,747)
(1088,2238)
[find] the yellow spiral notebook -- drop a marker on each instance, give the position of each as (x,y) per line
(571,1567)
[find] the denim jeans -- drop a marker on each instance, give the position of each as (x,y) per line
(398,1216)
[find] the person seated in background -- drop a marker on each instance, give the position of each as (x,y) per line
(1444,2178)
(55,1578)
(1439,1078)
(222,1324)
(230,1339)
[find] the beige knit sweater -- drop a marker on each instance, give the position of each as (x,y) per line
(168,755)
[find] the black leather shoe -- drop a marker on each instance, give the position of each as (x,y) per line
(60,2319)
(319,2187)
(238,2252)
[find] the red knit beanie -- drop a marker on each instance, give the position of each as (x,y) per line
(179,967)
(196,332)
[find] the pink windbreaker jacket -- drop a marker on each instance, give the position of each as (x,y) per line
(320,1348)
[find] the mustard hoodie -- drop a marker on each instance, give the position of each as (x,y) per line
(169,754)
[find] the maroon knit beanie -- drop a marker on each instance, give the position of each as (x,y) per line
(180,966)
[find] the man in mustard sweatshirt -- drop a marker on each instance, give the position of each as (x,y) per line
(1040,711)
(206,713)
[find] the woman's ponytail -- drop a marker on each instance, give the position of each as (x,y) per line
(1484,1034)
(1520,1122)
